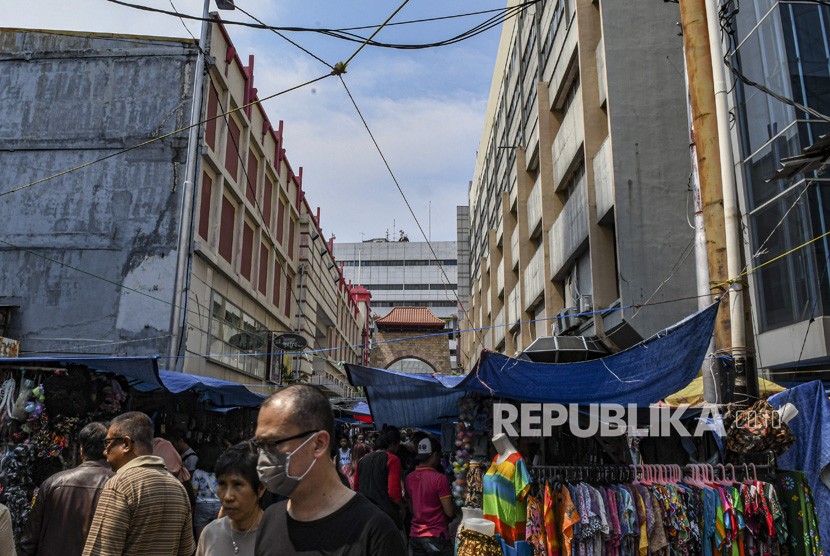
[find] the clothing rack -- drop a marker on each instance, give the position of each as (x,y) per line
(653,472)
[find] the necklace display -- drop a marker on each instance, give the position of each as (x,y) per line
(245,534)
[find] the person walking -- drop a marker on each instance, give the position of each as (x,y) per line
(205,488)
(240,492)
(429,494)
(65,503)
(142,509)
(294,432)
(379,475)
(344,456)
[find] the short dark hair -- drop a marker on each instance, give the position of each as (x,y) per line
(312,409)
(91,439)
(138,426)
(388,436)
(239,459)
(208,456)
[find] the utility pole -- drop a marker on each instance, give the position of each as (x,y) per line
(705,127)
(746,375)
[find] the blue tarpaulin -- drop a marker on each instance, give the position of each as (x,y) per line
(811,451)
(212,391)
(404,399)
(643,374)
(137,370)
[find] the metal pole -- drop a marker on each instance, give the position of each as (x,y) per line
(704,125)
(745,375)
(179,314)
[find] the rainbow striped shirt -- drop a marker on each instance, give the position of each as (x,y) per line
(505,488)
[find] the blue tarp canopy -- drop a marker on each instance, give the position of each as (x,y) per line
(404,399)
(643,374)
(212,391)
(137,370)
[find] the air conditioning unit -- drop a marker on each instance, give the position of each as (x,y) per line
(565,320)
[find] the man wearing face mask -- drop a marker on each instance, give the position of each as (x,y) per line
(321,516)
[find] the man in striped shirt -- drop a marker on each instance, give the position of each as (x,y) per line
(143,509)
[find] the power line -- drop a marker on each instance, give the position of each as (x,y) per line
(345,34)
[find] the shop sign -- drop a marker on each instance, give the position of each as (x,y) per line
(9,347)
(290,342)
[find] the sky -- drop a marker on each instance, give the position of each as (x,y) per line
(425,107)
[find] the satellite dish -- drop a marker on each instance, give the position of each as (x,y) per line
(247,341)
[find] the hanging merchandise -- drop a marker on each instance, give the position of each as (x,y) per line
(657,510)
(506,485)
(758,429)
(474,422)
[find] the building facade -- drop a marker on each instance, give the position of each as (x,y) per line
(783,46)
(579,200)
(406,274)
(90,258)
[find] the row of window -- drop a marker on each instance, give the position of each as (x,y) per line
(414,303)
(414,262)
(434,287)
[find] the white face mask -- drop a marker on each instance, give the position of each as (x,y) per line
(273,470)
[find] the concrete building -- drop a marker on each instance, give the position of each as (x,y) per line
(579,198)
(783,46)
(406,274)
(89,259)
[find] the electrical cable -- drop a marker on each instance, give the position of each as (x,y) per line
(347,35)
(406,201)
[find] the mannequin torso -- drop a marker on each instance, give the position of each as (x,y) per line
(503,446)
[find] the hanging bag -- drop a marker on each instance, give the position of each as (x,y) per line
(759,429)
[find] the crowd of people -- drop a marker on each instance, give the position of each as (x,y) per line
(295,488)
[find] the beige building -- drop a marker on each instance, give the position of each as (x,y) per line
(579,198)
(261,263)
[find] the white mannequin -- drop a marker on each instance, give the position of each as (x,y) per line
(503,447)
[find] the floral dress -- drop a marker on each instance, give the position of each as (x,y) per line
(796,500)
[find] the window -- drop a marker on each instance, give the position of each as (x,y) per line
(267,199)
(262,283)
(252,172)
(212,110)
(280,221)
(226,229)
(288,292)
(232,150)
(204,206)
(291,237)
(247,250)
(230,328)
(277,277)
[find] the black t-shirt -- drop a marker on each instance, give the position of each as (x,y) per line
(359,528)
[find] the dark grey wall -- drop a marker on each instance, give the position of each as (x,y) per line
(650,149)
(67,100)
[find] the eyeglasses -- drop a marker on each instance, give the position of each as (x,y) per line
(108,442)
(270,446)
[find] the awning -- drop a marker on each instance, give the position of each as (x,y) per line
(137,370)
(404,399)
(643,374)
(693,393)
(212,392)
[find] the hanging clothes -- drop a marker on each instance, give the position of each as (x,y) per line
(802,522)
(505,488)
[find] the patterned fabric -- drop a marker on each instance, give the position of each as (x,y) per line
(535,529)
(567,518)
(473,543)
(802,522)
(205,486)
(505,488)
(474,485)
(551,536)
(759,429)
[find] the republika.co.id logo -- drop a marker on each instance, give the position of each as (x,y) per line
(539,419)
